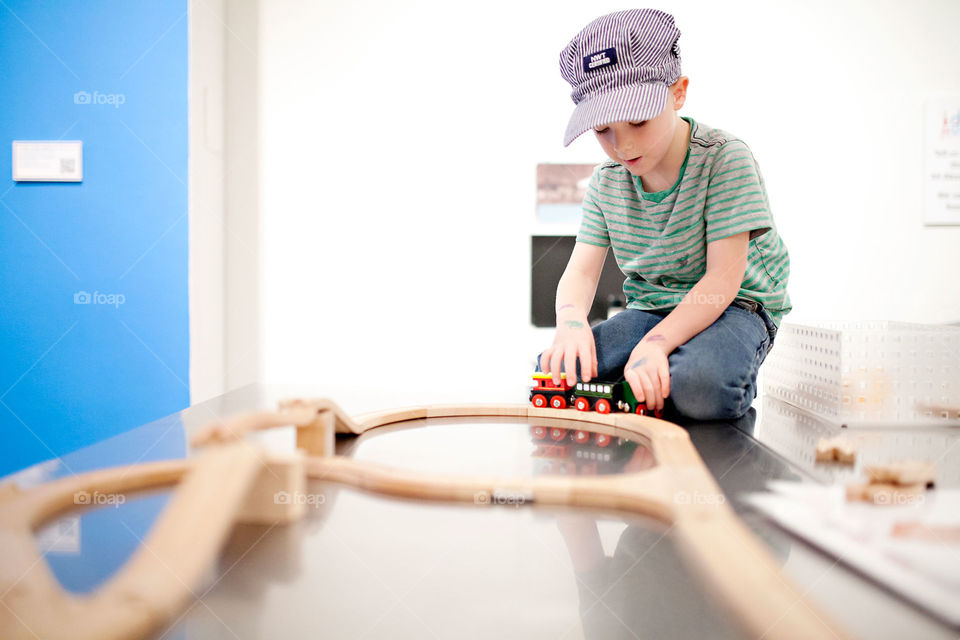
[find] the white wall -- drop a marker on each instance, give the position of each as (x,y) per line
(206,199)
(243,335)
(400,140)
(225,266)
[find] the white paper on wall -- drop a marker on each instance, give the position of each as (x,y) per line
(48,160)
(941,164)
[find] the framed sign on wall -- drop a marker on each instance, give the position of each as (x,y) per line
(941,162)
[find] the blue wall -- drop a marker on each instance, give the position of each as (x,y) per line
(72,374)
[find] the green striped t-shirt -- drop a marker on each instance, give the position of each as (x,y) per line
(660,239)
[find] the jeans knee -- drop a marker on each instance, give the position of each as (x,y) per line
(701,394)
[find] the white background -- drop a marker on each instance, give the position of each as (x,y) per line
(394,148)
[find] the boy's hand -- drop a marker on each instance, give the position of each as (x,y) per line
(648,372)
(573,339)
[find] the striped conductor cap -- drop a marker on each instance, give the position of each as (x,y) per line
(620,67)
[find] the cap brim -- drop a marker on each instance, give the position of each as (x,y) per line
(633,102)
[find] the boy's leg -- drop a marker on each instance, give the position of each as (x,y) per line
(615,338)
(714,375)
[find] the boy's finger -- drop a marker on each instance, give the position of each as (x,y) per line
(586,364)
(665,380)
(631,377)
(650,391)
(570,366)
(593,357)
(544,360)
(555,359)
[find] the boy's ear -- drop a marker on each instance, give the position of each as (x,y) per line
(679,91)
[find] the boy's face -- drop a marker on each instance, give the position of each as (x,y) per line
(641,146)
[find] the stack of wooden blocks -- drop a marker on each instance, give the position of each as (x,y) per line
(897,483)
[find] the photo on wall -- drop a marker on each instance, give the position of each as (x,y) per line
(560,191)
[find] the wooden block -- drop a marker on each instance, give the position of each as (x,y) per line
(824,451)
(917,472)
(278,492)
(318,438)
(845,454)
(893,494)
(342,422)
(883,493)
(857,492)
(908,472)
(836,449)
(879,473)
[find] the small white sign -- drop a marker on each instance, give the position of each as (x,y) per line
(48,160)
(941,164)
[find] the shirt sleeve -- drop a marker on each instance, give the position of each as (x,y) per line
(736,198)
(593,226)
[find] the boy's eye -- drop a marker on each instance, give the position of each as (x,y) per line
(632,124)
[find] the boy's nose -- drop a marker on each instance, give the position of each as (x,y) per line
(623,145)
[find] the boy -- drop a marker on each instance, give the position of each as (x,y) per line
(684,208)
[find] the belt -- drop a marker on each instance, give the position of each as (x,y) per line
(757,308)
(749,305)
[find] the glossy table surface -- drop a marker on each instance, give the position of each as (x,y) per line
(360,565)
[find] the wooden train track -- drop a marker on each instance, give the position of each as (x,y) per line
(232,480)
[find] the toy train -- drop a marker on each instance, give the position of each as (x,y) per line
(561,435)
(595,395)
(578,452)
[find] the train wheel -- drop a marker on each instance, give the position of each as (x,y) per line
(602,406)
(640,410)
(581,436)
(539,400)
(558,402)
(658,414)
(583,404)
(602,440)
(539,433)
(558,434)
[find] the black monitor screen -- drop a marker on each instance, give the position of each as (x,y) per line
(549,258)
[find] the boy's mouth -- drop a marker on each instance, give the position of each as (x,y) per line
(632,162)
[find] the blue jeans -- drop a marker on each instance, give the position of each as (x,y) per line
(713,375)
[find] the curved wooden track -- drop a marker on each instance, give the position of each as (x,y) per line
(216,486)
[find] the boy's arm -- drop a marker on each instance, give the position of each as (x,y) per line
(578,284)
(706,301)
(575,293)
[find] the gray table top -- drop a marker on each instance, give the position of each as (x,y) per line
(360,565)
